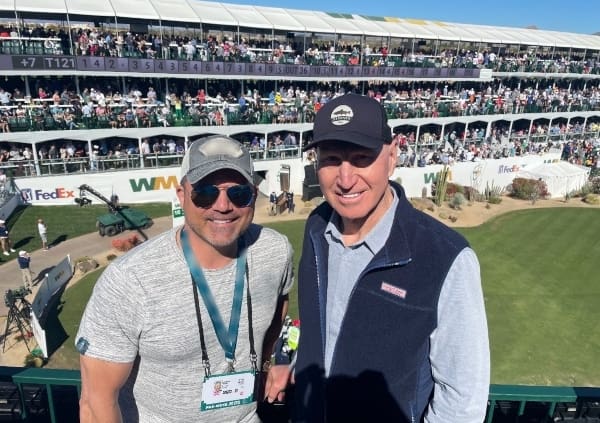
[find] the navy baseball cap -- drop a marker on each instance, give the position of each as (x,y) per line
(351,118)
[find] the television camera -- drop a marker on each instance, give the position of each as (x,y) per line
(11,296)
(83,201)
(19,311)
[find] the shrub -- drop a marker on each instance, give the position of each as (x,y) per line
(595,185)
(586,189)
(81,259)
(35,358)
(457,201)
(126,243)
(492,191)
(494,200)
(593,199)
(471,194)
(529,189)
(452,189)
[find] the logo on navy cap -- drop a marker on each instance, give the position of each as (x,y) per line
(341,115)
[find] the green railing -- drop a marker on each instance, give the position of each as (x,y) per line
(42,398)
(576,400)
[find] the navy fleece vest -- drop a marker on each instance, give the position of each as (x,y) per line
(381,366)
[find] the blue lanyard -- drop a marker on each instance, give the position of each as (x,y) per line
(227,339)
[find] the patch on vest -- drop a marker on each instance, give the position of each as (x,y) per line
(394,290)
(82,345)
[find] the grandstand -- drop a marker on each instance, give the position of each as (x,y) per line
(117,90)
(255,72)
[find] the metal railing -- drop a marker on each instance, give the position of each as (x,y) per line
(35,391)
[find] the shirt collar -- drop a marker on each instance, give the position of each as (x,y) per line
(376,238)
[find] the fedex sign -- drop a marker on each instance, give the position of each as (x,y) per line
(38,194)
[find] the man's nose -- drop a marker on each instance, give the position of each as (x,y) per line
(346,174)
(222,203)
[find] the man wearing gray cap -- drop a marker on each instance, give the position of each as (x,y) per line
(400,334)
(177,329)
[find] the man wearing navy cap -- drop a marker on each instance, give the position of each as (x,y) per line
(400,334)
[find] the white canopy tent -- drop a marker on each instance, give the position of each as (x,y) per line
(296,20)
(561,178)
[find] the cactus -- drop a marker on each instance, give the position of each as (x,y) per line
(441,185)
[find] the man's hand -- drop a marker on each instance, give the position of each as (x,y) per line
(278,378)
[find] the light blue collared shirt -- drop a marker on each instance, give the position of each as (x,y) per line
(346,263)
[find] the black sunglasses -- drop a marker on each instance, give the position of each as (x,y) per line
(205,195)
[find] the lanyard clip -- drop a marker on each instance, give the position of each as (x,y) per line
(206,365)
(230,365)
(253,361)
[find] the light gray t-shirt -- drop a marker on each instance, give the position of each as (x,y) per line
(142,309)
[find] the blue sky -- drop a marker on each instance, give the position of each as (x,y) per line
(567,15)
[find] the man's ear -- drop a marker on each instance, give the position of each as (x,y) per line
(393,156)
(180,191)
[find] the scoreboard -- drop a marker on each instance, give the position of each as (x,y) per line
(192,67)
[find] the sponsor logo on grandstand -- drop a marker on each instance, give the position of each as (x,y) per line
(508,169)
(154,183)
(435,176)
(29,195)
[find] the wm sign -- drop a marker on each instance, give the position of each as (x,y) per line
(153,184)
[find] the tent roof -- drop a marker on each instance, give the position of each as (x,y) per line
(560,169)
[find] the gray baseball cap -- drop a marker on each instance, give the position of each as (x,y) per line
(216,152)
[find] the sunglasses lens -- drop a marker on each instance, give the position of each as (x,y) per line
(205,195)
(240,195)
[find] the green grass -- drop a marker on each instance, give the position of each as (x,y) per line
(294,230)
(539,273)
(63,322)
(64,222)
(540,281)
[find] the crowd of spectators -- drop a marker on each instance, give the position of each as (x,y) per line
(98,106)
(94,41)
(580,145)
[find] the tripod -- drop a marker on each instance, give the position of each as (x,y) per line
(18,313)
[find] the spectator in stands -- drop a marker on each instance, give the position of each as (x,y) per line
(408,305)
(69,120)
(5,97)
(146,329)
(4,125)
(151,95)
(201,96)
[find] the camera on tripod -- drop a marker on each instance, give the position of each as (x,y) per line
(11,296)
(83,201)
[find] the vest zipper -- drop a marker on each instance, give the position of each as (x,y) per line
(365,271)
